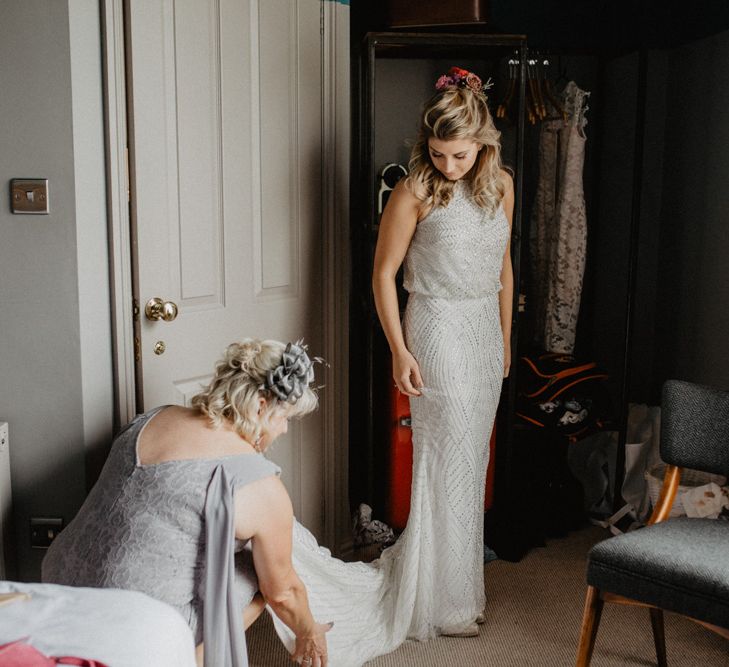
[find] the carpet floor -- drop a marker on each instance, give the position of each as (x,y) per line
(534,610)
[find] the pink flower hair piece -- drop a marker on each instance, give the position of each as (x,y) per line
(458,77)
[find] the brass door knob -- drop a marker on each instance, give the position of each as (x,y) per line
(155,309)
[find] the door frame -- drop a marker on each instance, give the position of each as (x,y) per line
(118,200)
(335,226)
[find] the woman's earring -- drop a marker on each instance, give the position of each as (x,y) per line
(257,443)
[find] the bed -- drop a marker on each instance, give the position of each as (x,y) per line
(116,627)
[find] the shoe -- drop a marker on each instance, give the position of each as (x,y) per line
(470,630)
(481,618)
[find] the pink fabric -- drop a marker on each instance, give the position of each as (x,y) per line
(21,654)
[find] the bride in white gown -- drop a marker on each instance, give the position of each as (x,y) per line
(449,221)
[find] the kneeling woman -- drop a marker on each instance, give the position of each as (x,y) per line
(185,487)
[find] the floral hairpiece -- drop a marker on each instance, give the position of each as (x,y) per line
(293,375)
(458,77)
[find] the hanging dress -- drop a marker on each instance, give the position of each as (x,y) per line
(559,223)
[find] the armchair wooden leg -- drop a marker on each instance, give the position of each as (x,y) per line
(590,623)
(659,636)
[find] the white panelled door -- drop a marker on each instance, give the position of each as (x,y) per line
(226,197)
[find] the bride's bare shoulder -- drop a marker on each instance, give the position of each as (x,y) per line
(507,180)
(403,195)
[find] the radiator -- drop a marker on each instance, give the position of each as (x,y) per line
(5,496)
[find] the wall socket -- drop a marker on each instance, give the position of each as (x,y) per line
(43,530)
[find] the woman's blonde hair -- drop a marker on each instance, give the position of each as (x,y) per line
(457,113)
(239,383)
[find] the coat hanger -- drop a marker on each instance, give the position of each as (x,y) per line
(549,93)
(535,107)
(541,100)
(537,77)
(532,101)
(503,108)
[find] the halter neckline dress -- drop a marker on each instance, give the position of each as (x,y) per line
(431,580)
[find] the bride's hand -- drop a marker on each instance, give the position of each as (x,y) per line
(311,649)
(406,372)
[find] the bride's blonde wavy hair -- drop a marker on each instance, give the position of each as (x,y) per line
(457,113)
(234,392)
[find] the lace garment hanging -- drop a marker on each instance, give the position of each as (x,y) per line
(559,224)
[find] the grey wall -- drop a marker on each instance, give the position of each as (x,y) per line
(55,363)
(693,303)
(403,86)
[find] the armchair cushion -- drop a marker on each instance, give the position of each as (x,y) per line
(679,565)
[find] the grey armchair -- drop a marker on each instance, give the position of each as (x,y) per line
(679,565)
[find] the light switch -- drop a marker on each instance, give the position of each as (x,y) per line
(29,195)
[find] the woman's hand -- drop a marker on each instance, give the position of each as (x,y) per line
(264,514)
(311,649)
(406,372)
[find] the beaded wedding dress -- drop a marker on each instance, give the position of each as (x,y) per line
(431,580)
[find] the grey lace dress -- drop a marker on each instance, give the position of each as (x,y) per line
(167,530)
(559,220)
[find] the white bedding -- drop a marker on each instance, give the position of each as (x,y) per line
(119,628)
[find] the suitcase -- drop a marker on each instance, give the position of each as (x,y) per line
(401,460)
(409,14)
